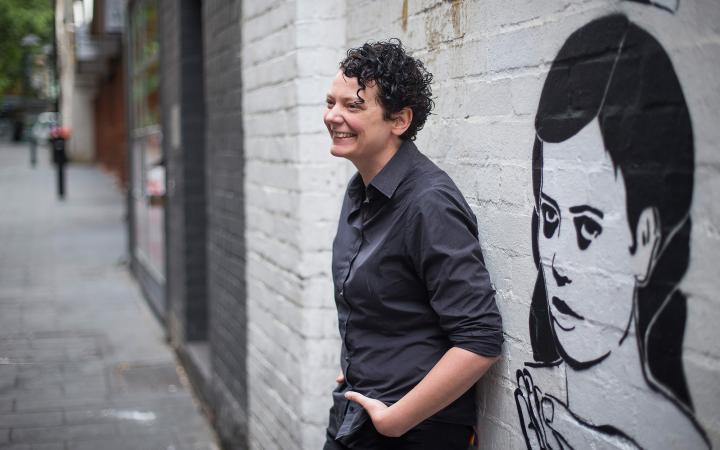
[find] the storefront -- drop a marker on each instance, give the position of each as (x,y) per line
(147,177)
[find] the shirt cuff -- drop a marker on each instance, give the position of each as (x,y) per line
(486,343)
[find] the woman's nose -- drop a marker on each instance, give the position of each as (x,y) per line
(332,115)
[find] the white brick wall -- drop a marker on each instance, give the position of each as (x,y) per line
(294,188)
(490,59)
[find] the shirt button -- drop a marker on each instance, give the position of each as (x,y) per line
(341,292)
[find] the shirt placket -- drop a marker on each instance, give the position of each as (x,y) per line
(357,247)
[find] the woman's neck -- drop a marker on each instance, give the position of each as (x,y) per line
(369,167)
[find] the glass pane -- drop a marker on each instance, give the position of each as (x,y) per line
(148,187)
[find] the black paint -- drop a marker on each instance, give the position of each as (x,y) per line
(670,6)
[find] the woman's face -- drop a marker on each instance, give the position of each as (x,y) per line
(584,241)
(356,125)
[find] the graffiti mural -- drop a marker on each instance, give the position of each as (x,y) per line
(613,170)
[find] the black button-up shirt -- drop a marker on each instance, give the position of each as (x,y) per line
(410,281)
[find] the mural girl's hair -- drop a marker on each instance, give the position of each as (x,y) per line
(612,70)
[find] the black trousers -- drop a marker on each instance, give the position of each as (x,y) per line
(426,436)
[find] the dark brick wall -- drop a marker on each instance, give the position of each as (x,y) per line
(201,75)
(182,90)
(192,130)
(226,222)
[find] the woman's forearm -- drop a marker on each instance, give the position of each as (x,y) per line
(452,376)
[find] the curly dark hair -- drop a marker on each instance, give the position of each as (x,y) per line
(402,80)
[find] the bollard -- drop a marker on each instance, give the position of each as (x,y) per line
(57,138)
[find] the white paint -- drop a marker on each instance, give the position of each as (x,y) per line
(124,414)
(7,361)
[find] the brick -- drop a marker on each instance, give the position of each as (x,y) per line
(21,420)
(313,32)
(36,446)
(156,441)
(55,434)
(6,404)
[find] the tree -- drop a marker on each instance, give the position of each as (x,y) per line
(18,19)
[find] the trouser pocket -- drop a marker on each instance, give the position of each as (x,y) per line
(346,417)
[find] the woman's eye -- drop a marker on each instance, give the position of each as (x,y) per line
(329,104)
(587,230)
(551,220)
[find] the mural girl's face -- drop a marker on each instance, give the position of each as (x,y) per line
(584,242)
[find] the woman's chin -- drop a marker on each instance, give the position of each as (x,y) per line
(341,151)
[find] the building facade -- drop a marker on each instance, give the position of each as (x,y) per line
(602,260)
(92,74)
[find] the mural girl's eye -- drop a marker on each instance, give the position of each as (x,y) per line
(587,230)
(550,218)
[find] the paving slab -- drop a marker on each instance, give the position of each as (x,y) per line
(83,362)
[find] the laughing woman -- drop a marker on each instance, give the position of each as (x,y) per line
(416,309)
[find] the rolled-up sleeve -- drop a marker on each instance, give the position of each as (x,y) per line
(442,242)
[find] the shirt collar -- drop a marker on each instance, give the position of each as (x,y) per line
(356,188)
(390,176)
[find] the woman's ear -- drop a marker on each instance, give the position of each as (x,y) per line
(401,121)
(647,243)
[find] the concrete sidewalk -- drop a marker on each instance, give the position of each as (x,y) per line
(83,363)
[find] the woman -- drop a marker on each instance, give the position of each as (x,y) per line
(416,308)
(613,166)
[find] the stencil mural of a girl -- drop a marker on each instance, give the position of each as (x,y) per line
(613,169)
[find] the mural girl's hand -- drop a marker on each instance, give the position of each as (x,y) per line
(547,423)
(569,431)
(528,399)
(379,413)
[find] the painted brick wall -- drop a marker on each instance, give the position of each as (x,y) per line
(292,189)
(225,218)
(490,60)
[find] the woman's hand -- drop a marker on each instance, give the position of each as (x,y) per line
(377,410)
(380,414)
(455,373)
